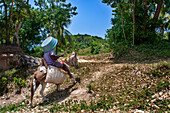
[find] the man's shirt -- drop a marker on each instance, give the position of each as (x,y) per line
(48,58)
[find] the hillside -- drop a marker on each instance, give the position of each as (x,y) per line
(104,86)
(88,45)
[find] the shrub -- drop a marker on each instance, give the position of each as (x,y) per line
(95,48)
(19,82)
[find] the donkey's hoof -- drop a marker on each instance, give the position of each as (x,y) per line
(30,106)
(46,99)
(76,80)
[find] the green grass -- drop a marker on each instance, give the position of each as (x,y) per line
(14,107)
(14,76)
(74,105)
(142,53)
(86,51)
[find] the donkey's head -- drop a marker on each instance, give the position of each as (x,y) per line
(72,60)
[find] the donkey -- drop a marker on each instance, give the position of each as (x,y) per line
(46,74)
(72,60)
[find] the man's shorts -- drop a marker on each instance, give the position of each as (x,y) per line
(58,64)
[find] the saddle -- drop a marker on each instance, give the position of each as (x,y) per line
(46,66)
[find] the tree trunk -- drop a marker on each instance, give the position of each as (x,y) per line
(23,42)
(145,14)
(162,29)
(10,15)
(134,23)
(56,49)
(17,31)
(7,25)
(1,39)
(18,27)
(156,15)
(52,30)
(122,23)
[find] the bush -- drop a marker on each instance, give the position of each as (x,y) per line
(121,49)
(19,82)
(95,48)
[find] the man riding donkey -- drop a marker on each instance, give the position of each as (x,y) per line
(51,70)
(50,57)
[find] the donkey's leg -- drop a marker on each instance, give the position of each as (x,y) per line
(43,84)
(58,87)
(69,73)
(34,85)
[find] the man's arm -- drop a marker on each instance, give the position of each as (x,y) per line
(55,57)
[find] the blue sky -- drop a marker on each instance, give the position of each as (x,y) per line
(93,18)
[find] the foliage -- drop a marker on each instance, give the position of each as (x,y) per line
(85,41)
(19,82)
(30,32)
(73,105)
(14,107)
(28,27)
(146,20)
(14,77)
(13,13)
(160,70)
(85,52)
(5,78)
(87,45)
(56,15)
(91,86)
(36,51)
(95,48)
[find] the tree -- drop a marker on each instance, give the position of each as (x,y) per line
(156,15)
(117,4)
(12,16)
(30,33)
(134,23)
(147,17)
(57,17)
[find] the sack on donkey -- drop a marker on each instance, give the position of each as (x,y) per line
(55,75)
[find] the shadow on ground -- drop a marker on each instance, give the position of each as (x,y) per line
(59,96)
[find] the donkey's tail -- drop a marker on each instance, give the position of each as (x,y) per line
(32,89)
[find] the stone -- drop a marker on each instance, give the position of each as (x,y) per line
(102,110)
(45,110)
(82,111)
(139,111)
(153,100)
(169,105)
(155,106)
(160,93)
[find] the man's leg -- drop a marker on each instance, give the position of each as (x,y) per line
(67,69)
(64,66)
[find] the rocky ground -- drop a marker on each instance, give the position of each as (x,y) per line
(107,77)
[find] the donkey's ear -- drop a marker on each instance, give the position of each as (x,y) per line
(75,52)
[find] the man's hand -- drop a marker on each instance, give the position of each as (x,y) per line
(62,55)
